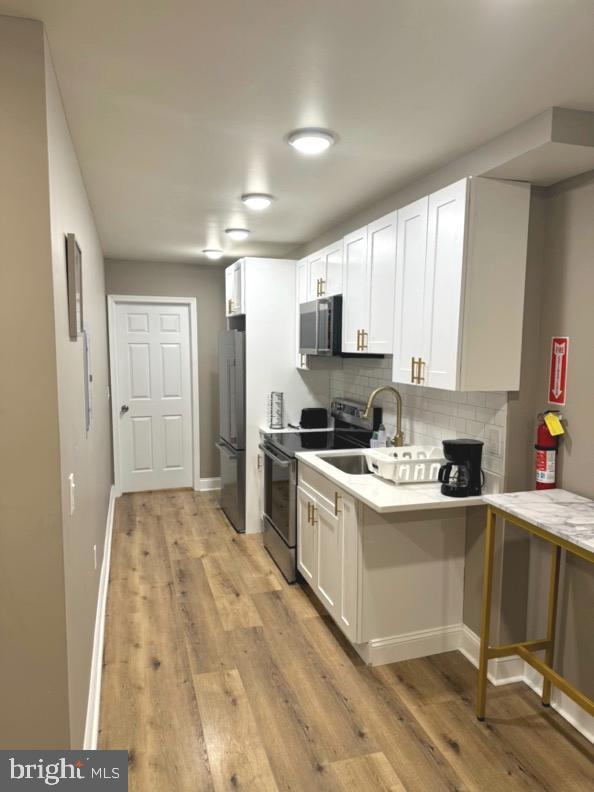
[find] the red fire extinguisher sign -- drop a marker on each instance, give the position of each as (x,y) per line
(558,370)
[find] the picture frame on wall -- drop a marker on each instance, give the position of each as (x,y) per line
(74,280)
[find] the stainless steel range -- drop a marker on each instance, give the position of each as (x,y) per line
(351,430)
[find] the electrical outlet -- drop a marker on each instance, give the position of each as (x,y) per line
(95,556)
(493,440)
(72,488)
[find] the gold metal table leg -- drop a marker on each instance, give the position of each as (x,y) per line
(486,613)
(551,620)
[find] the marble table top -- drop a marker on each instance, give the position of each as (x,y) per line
(559,512)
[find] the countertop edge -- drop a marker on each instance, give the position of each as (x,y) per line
(309,458)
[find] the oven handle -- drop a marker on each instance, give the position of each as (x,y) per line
(277,460)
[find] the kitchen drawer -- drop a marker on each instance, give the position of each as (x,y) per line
(320,487)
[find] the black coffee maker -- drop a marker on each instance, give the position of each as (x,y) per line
(462,476)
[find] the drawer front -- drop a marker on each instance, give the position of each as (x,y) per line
(322,488)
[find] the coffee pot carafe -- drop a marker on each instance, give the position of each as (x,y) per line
(461,476)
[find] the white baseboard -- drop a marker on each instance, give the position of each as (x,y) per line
(207,484)
(505,670)
(409,646)
(94,699)
(501,670)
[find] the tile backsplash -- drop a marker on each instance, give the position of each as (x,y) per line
(429,415)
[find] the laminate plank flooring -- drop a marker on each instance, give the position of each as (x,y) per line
(218,675)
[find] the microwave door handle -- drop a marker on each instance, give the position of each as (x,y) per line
(277,460)
(326,347)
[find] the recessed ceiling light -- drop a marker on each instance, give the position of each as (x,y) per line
(238,234)
(257,201)
(213,253)
(311,141)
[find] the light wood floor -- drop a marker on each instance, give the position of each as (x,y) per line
(218,675)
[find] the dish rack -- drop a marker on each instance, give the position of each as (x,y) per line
(406,465)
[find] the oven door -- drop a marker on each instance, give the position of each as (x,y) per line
(308,328)
(279,493)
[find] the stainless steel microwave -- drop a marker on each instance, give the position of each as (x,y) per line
(320,326)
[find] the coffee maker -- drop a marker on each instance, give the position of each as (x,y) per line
(462,476)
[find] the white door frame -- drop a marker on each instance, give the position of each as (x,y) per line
(113,300)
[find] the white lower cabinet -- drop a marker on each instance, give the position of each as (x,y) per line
(327,551)
(393,583)
(307,552)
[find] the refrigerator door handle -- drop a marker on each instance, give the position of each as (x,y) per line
(231,454)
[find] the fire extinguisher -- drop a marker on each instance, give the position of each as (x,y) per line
(546,455)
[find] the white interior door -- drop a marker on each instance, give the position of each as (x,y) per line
(153,398)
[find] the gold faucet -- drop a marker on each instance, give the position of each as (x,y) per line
(398,438)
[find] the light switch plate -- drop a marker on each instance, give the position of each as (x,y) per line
(72,488)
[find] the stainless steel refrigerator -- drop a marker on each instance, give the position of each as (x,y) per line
(231,443)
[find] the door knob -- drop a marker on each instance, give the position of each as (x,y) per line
(124,409)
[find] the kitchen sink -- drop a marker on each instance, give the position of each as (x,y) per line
(353,464)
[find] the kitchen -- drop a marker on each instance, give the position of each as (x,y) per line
(323,508)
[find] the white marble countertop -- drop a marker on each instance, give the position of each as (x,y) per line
(384,496)
(559,512)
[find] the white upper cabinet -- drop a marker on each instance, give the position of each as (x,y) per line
(443,285)
(234,289)
(368,287)
(301,290)
(333,278)
(381,271)
(411,257)
(355,299)
(325,272)
(461,266)
(317,274)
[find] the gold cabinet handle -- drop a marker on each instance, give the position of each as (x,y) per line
(259,461)
(229,306)
(413,364)
(308,512)
(322,287)
(420,379)
(336,509)
(358,340)
(313,513)
(363,340)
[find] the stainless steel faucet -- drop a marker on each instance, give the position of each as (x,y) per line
(398,438)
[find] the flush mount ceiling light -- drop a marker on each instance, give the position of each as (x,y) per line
(213,253)
(311,141)
(238,234)
(257,201)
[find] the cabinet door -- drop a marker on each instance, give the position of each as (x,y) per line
(411,258)
(443,284)
(229,283)
(238,291)
(333,260)
(328,584)
(307,549)
(381,269)
(317,274)
(355,302)
(349,588)
(301,287)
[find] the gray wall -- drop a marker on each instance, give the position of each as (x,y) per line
(33,666)
(207,284)
(87,456)
(568,309)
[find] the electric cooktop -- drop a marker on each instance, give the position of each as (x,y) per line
(292,442)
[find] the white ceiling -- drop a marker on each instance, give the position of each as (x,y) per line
(176,107)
